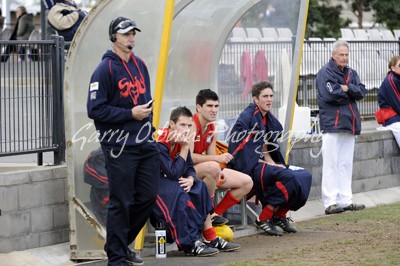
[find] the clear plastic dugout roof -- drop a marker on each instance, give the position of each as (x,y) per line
(210,41)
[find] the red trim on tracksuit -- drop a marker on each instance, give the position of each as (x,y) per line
(168,218)
(105,200)
(261,177)
(241,145)
(393,86)
(347,79)
(91,171)
(353,126)
(337,117)
(283,189)
(190,204)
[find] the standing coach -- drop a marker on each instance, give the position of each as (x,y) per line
(118,99)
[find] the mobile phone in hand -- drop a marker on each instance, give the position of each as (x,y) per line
(150,103)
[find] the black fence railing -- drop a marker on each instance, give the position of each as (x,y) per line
(241,62)
(31,98)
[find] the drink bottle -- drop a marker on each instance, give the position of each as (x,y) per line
(161,241)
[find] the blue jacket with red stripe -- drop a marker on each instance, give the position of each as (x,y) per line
(247,137)
(338,111)
(182,213)
(389,96)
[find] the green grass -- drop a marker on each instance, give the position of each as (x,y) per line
(368,237)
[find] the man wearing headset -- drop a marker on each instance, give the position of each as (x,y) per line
(118,102)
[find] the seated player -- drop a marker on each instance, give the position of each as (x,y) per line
(207,163)
(255,149)
(183,204)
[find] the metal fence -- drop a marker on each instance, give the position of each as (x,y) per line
(31,98)
(31,85)
(368,58)
(238,71)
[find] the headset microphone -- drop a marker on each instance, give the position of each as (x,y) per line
(130,47)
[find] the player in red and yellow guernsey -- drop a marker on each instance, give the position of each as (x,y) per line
(207,163)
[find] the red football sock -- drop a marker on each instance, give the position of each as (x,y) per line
(266,214)
(210,234)
(227,202)
(281,212)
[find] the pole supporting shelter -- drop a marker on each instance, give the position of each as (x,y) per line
(181,42)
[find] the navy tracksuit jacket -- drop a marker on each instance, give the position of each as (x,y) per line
(183,214)
(274,185)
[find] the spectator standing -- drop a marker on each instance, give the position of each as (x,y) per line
(65,18)
(118,98)
(25,24)
(339,87)
(389,98)
(253,142)
(21,31)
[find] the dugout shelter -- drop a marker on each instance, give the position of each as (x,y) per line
(183,43)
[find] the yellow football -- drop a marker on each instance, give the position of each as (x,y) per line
(225,232)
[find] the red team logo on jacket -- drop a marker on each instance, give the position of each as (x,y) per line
(131,89)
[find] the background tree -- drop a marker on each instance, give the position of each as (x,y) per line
(358,7)
(324,19)
(387,12)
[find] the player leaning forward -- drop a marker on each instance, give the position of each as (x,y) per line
(254,146)
(183,202)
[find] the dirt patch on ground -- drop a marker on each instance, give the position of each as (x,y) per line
(369,237)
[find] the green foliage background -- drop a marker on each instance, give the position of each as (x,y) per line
(324,17)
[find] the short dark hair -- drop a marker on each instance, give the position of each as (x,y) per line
(205,95)
(260,86)
(178,112)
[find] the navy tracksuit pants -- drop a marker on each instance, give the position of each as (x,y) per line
(182,213)
(133,182)
(282,187)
